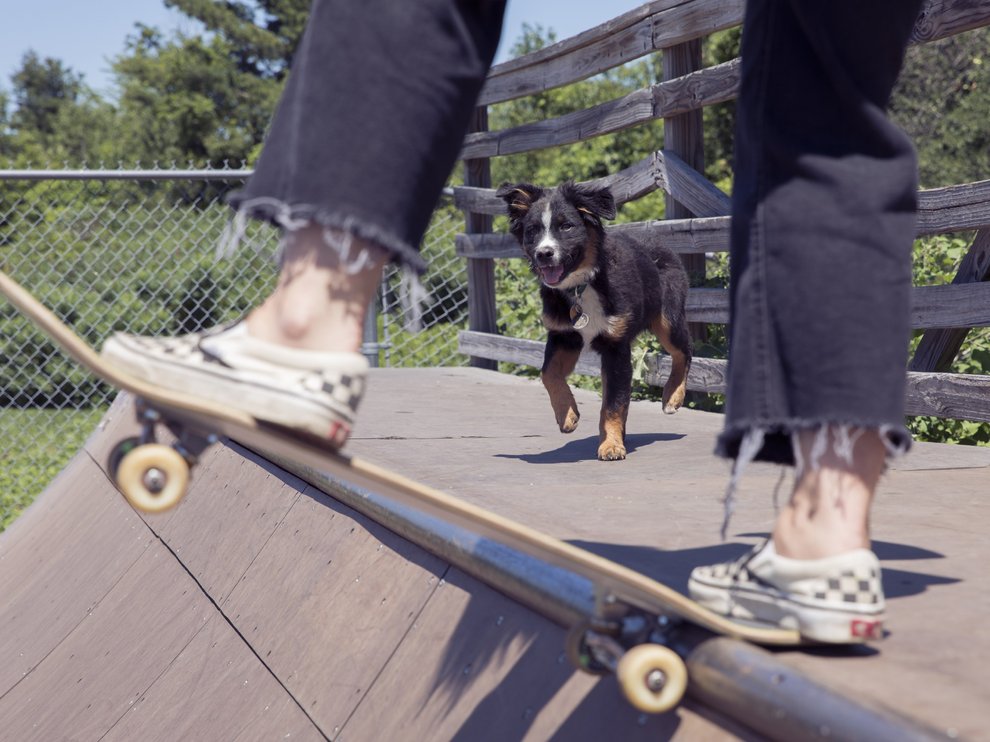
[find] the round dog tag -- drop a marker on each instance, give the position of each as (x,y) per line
(579,320)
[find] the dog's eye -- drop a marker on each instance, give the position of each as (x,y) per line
(566,227)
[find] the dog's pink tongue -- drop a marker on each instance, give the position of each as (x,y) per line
(551,274)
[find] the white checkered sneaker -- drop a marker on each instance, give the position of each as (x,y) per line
(837,600)
(310,391)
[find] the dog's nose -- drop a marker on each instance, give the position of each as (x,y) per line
(544,254)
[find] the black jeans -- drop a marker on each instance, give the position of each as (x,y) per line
(373,116)
(823,223)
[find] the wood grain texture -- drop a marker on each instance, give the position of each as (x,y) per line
(661,170)
(482,315)
(674,97)
(653,26)
(961,396)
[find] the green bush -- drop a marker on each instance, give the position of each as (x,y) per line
(32,456)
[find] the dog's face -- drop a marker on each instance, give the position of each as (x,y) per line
(560,229)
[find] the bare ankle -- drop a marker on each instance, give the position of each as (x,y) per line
(320,303)
(828,512)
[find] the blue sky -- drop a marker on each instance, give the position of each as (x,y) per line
(87,36)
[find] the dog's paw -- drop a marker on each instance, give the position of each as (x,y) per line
(610,451)
(570,421)
(673,398)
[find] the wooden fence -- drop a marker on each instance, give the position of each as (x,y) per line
(697,211)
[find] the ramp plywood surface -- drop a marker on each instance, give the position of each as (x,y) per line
(261,608)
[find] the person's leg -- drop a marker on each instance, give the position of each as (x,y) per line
(366,132)
(318,303)
(823,222)
(828,512)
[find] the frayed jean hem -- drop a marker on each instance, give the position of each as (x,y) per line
(778,443)
(292,217)
(339,234)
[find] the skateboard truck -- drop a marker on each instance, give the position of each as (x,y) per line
(635,648)
(152,476)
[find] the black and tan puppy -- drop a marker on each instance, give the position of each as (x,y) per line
(598,289)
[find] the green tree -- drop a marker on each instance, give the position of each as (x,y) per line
(941,101)
(720,119)
(264,33)
(42,88)
(55,117)
(208,98)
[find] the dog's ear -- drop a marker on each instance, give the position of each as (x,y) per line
(518,198)
(593,202)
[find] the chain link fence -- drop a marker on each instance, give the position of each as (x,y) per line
(135,251)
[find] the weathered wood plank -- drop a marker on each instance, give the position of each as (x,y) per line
(627,185)
(587,38)
(579,126)
(953,208)
(963,305)
(654,26)
(940,210)
(522,352)
(683,141)
(683,183)
(677,96)
(962,396)
(941,18)
(958,305)
(938,348)
(686,236)
(660,170)
(693,236)
(482,315)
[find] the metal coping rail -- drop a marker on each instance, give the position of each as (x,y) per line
(741,681)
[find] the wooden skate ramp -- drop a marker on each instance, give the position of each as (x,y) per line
(261,609)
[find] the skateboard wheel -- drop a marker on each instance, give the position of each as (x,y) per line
(653,678)
(578,654)
(152,477)
(119,451)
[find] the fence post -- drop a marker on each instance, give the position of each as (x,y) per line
(684,136)
(481,271)
(370,347)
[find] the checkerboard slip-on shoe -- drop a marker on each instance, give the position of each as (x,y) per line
(836,600)
(312,392)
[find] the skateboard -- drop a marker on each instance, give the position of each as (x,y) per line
(635,618)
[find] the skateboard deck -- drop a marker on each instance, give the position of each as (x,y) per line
(154,477)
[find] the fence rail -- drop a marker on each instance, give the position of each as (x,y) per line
(946,313)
